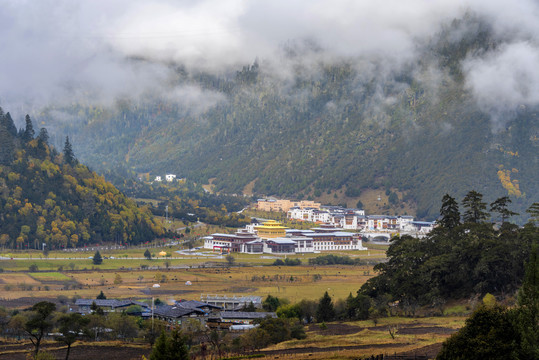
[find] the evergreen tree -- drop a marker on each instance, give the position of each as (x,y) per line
(97,260)
(170,348)
(489,334)
(69,156)
(43,135)
(29,132)
(101,296)
(449,213)
(533,210)
(148,254)
(474,208)
(10,125)
(7,147)
(325,310)
(528,311)
(271,303)
(500,206)
(160,350)
(39,322)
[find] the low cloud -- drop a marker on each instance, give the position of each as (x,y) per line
(504,79)
(63,51)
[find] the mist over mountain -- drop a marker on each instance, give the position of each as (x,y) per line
(305,98)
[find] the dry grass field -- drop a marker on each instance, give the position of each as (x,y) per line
(126,273)
(352,340)
(294,283)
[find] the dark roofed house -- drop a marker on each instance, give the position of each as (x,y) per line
(178,314)
(107,305)
(195,304)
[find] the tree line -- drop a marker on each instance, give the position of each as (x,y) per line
(49,199)
(464,255)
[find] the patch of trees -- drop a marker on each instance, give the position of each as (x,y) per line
(464,255)
(334,260)
(50,198)
(496,332)
(287,262)
(43,319)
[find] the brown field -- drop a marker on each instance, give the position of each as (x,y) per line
(18,279)
(291,282)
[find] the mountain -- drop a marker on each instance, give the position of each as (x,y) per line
(329,129)
(50,198)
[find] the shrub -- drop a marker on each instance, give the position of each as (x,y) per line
(33,268)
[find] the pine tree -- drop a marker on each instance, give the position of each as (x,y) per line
(170,348)
(10,125)
(29,132)
(69,156)
(528,311)
(148,254)
(43,135)
(500,206)
(449,213)
(325,310)
(97,260)
(475,208)
(533,210)
(7,147)
(101,296)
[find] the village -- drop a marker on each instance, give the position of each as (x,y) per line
(339,229)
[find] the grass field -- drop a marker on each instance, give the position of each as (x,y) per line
(125,273)
(294,283)
(49,276)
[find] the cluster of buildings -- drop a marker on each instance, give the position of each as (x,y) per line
(355,219)
(168,177)
(285,205)
(273,238)
(215,311)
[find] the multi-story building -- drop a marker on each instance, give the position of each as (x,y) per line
(272,237)
(285,205)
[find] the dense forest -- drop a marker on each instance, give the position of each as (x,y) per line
(47,197)
(464,256)
(327,126)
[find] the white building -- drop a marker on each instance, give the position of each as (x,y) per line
(170,177)
(158,178)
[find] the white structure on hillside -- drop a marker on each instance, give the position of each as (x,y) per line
(158,178)
(170,177)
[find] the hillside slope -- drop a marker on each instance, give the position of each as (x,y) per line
(47,197)
(325,126)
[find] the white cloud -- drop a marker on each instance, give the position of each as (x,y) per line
(63,50)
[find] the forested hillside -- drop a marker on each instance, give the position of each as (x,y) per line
(49,197)
(312,128)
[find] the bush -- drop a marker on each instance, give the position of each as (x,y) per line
(333,260)
(33,268)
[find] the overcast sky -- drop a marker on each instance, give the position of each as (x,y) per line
(63,50)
